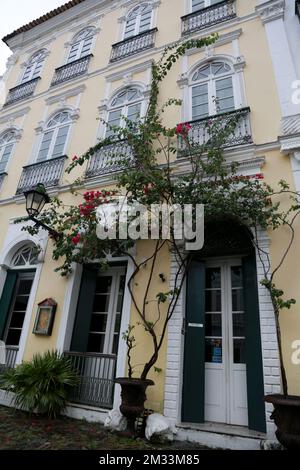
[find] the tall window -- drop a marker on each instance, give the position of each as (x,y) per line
(138,20)
(55,136)
(127,104)
(212,90)
(34,66)
(81,44)
(199,4)
(7,141)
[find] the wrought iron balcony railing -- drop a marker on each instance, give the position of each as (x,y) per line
(133,45)
(72,70)
(208,16)
(199,133)
(297,8)
(96,374)
(109,159)
(21,92)
(47,172)
(10,357)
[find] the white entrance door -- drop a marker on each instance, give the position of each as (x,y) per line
(225,368)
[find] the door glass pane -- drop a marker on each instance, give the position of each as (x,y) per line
(213,324)
(213,350)
(96,343)
(118,316)
(238,316)
(239,351)
(213,321)
(19,307)
(197,4)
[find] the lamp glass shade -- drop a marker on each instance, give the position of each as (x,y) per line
(35,201)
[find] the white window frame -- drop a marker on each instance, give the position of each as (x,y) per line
(124,107)
(81,44)
(33,62)
(55,130)
(137,21)
(211,85)
(4,145)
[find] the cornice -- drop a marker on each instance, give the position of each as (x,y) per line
(65,95)
(271,11)
(14,115)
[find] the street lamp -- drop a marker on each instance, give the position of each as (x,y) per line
(35,201)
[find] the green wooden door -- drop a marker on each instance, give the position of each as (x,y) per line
(253,351)
(194,350)
(84,309)
(6,299)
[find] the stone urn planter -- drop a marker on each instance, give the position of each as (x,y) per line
(133,395)
(286,416)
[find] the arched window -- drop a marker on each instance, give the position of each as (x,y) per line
(7,141)
(212,90)
(127,103)
(81,44)
(25,257)
(55,136)
(199,4)
(138,20)
(34,66)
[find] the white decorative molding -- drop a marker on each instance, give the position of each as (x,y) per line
(65,95)
(271,11)
(289,144)
(103,106)
(136,68)
(183,80)
(127,78)
(11,117)
(239,63)
(290,125)
(223,39)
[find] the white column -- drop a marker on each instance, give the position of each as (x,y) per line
(272,15)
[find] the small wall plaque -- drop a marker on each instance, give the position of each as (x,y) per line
(45,317)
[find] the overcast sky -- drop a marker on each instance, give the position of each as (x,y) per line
(16,13)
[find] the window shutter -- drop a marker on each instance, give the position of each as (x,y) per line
(6,299)
(84,310)
(255,384)
(194,350)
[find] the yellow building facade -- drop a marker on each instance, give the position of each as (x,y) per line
(90,60)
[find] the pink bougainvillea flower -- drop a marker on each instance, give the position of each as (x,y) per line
(74,158)
(259,176)
(76,239)
(182,128)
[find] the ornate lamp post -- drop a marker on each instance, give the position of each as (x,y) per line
(35,201)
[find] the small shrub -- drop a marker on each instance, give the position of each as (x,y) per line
(42,385)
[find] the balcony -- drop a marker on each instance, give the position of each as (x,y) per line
(96,378)
(297,8)
(208,16)
(11,356)
(21,92)
(199,132)
(133,45)
(47,172)
(109,159)
(71,70)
